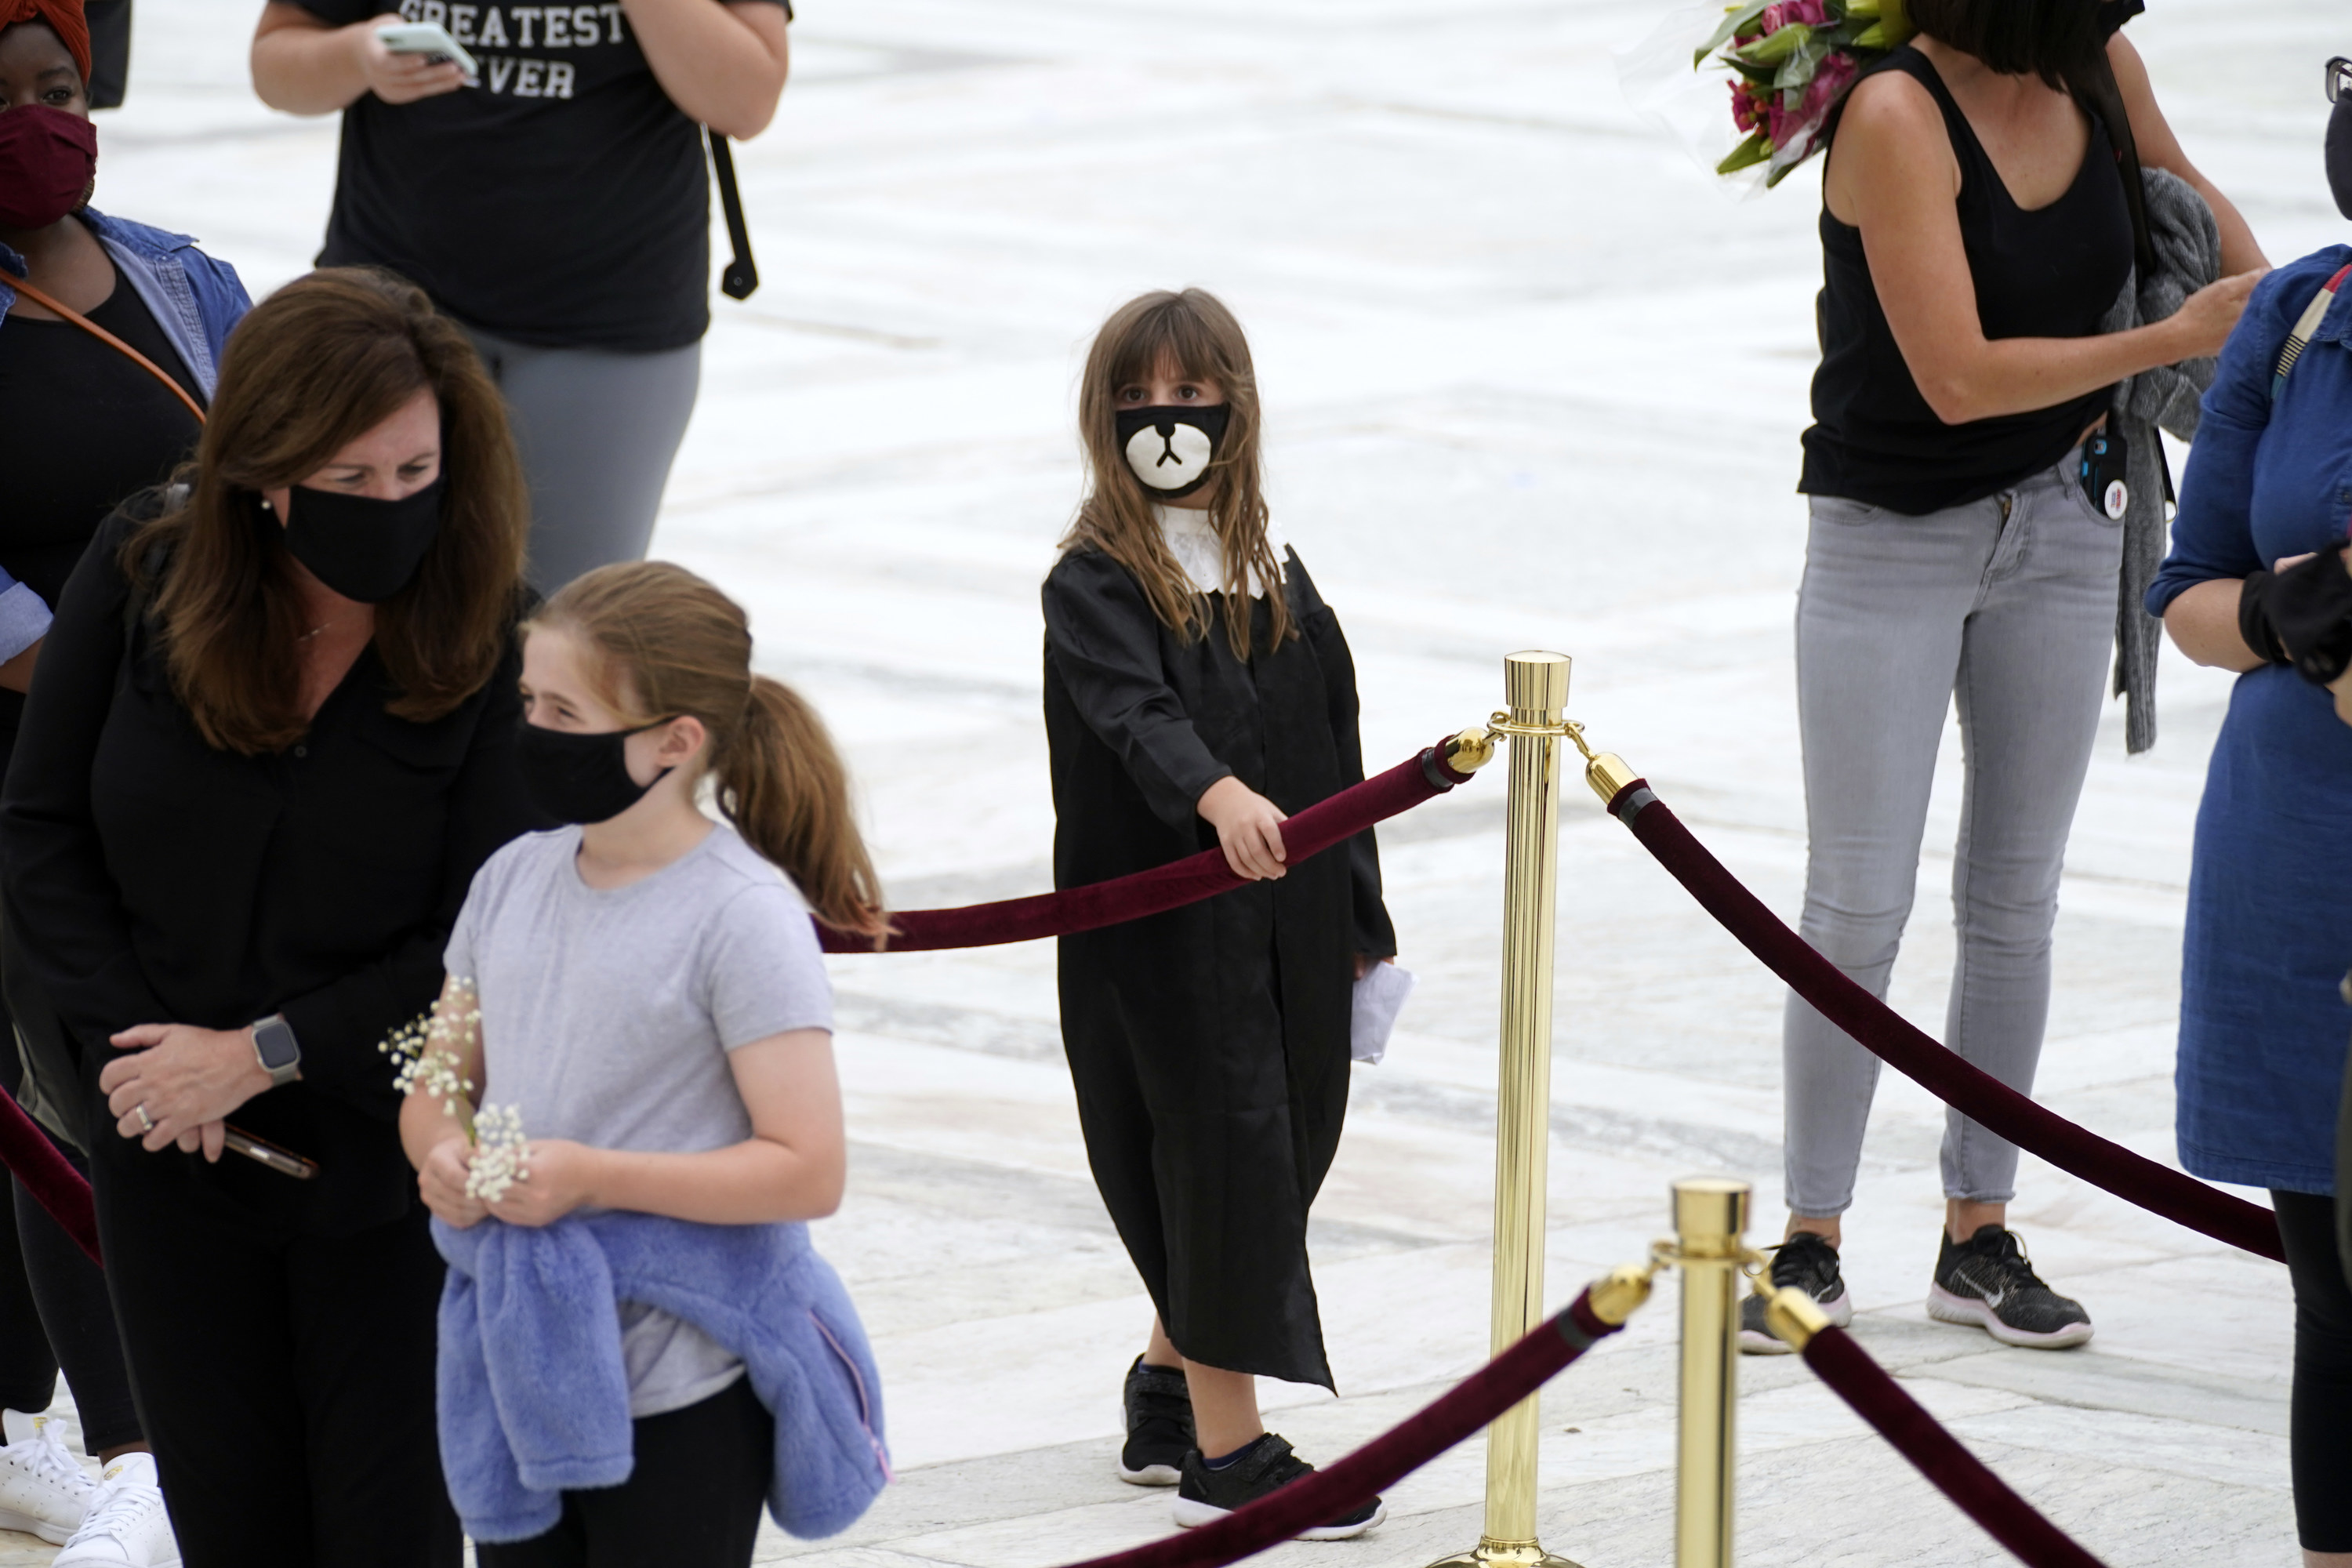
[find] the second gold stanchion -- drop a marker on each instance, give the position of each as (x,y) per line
(1710,1220)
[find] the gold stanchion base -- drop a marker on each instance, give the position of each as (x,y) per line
(1493,1553)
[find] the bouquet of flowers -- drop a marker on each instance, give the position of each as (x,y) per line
(1790,60)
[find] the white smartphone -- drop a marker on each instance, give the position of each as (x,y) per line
(430,39)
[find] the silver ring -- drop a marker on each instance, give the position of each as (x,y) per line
(140,1111)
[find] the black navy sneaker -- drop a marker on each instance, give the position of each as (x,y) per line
(1809,1263)
(1206,1496)
(1158,1407)
(1986,1280)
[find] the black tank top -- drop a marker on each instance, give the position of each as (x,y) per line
(81,428)
(2053,272)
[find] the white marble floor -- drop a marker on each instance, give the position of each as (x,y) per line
(1529,383)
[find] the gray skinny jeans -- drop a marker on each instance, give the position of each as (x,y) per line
(597,430)
(2007,605)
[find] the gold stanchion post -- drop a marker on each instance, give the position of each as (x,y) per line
(1536,689)
(1710,1216)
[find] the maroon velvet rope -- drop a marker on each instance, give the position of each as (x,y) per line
(55,1184)
(1388,1459)
(58,1187)
(1162,888)
(1919,1437)
(1886,1034)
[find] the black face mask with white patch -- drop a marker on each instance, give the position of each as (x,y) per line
(1170,449)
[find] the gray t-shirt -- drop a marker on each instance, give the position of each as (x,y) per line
(608,1014)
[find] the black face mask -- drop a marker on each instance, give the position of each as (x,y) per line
(576,778)
(362,548)
(1170,449)
(2339,154)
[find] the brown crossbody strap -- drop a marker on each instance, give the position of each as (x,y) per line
(102,335)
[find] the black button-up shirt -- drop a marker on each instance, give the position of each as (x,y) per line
(152,879)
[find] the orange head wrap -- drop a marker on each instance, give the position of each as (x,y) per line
(65,19)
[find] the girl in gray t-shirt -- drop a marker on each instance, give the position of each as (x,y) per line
(641,991)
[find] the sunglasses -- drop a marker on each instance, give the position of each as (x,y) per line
(2339,78)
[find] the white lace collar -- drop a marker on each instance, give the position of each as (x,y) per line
(1194,544)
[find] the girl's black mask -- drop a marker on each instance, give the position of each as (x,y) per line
(2339,154)
(1170,449)
(577,778)
(362,548)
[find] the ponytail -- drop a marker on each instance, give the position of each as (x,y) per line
(665,644)
(781,784)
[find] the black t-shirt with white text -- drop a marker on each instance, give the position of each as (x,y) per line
(561,201)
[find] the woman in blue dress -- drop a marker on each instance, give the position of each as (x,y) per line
(2264,1025)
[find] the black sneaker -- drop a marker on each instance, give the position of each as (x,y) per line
(1986,1280)
(1809,1263)
(1206,1496)
(1157,1408)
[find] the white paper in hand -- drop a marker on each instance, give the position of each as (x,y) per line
(1380,997)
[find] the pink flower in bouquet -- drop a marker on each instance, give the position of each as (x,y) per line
(1831,77)
(1812,13)
(1751,105)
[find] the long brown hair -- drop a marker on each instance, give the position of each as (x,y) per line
(1190,331)
(662,644)
(314,367)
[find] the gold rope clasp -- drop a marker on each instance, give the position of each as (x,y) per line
(1605,772)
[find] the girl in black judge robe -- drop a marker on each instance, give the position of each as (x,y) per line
(1198,690)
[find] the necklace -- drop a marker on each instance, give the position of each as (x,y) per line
(321,626)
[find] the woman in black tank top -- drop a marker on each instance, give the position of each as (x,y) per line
(1974,233)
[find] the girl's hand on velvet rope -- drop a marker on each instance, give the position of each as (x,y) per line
(182,1077)
(1249,828)
(441,1182)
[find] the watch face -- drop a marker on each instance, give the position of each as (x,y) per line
(274,1043)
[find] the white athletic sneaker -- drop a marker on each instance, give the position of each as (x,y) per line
(127,1526)
(44,1490)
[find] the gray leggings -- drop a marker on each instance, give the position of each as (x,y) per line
(598,430)
(2008,606)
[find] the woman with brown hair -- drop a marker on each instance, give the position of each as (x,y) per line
(1965,553)
(1197,690)
(272,740)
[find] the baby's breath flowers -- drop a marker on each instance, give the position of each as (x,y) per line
(501,1155)
(431,1051)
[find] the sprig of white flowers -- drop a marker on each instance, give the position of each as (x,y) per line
(430,1050)
(431,1053)
(501,1155)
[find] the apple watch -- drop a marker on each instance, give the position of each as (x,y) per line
(275,1047)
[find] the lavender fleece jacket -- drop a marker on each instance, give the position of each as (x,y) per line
(533,1399)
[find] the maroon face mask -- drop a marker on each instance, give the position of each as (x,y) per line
(47,160)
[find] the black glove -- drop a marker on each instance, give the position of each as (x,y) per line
(2301,617)
(2254,618)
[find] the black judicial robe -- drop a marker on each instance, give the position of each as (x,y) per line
(1208,1045)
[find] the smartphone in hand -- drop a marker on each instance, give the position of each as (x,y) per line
(430,39)
(261,1151)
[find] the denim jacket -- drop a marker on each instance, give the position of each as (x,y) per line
(2266,478)
(195,300)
